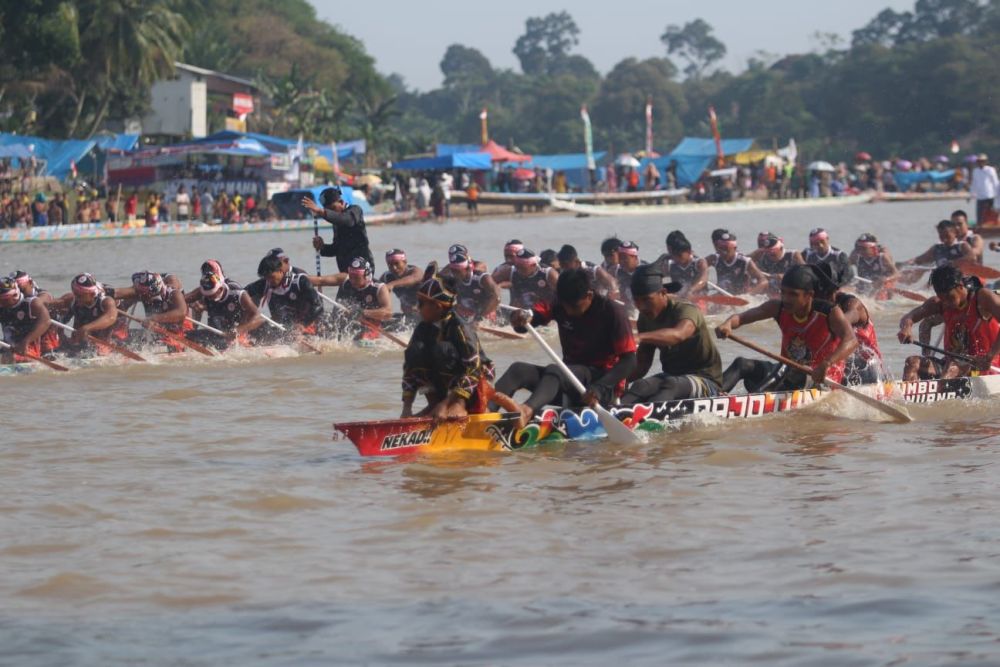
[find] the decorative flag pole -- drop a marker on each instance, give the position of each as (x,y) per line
(484,130)
(588,143)
(649,126)
(718,138)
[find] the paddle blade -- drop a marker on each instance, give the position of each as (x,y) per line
(618,433)
(911,275)
(978,270)
(724,300)
(896,414)
(916,296)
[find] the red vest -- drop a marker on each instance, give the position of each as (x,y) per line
(811,341)
(968,332)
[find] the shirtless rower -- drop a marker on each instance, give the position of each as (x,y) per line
(444,357)
(813,332)
(735,272)
(971,316)
(597,345)
(690,362)
(23,320)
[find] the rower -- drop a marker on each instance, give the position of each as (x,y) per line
(530,283)
(162,304)
(735,272)
(684,267)
(549,259)
(363,297)
(774,260)
(213,267)
(258,288)
(29,288)
(230,310)
(23,320)
(865,365)
(93,312)
(975,241)
(813,332)
(604,284)
(821,252)
(290,297)
(609,251)
(458,248)
(689,357)
(597,345)
(628,262)
(350,239)
(971,316)
(950,249)
(873,263)
(403,279)
(444,356)
(504,271)
(476,295)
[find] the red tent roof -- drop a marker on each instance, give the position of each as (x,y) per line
(500,154)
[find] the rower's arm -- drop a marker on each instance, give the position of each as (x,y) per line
(842,329)
(889,266)
(989,303)
(668,337)
(967,253)
(644,360)
(978,246)
(410,278)
(492,295)
(553,279)
(42,324)
(384,310)
(767,310)
(924,257)
(928,308)
(251,315)
(502,275)
(60,305)
(106,320)
(701,280)
(330,280)
(797,257)
(761,283)
(125,293)
(192,297)
(622,369)
(178,311)
(609,283)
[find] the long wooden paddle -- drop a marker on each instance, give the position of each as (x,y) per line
(124,351)
(500,333)
(723,299)
(957,356)
(916,296)
(896,413)
(34,357)
(618,433)
(280,327)
(171,336)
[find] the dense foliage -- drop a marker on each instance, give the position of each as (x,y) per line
(909,82)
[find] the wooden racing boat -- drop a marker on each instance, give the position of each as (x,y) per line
(708,207)
(498,431)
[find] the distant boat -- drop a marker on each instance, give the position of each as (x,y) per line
(709,207)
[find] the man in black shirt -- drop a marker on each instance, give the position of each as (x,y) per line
(350,239)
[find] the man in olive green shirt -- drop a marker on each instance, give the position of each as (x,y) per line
(690,360)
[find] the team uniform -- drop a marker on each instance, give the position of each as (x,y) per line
(968,332)
(472,297)
(527,291)
(835,257)
(17,322)
(734,276)
(865,365)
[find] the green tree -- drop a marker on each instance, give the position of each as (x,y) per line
(546,41)
(463,66)
(619,111)
(695,43)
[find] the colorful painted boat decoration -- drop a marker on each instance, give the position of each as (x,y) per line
(499,431)
(105,232)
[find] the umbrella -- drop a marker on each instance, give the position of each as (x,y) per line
(971,158)
(904,165)
(627,161)
(863,157)
(523,174)
(821,166)
(943,159)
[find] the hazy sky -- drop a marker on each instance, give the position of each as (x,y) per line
(409,37)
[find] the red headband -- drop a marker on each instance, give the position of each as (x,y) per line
(821,235)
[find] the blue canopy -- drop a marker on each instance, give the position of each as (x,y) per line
(453,161)
(907,179)
(118,142)
(57,155)
(289,206)
(693,155)
(564,162)
(19,151)
(283,145)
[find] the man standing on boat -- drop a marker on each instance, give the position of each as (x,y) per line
(597,345)
(813,332)
(444,357)
(689,358)
(350,239)
(971,316)
(984,189)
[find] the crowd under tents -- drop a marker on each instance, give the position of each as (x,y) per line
(57,158)
(693,155)
(472,161)
(573,165)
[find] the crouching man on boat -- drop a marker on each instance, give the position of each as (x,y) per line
(230,310)
(690,360)
(597,345)
(23,320)
(444,357)
(971,316)
(813,332)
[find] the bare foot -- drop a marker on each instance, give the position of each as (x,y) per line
(526,415)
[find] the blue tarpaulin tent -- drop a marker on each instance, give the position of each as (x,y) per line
(694,155)
(452,161)
(289,203)
(56,155)
(573,165)
(345,149)
(907,179)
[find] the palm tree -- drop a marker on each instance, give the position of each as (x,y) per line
(375,110)
(129,43)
